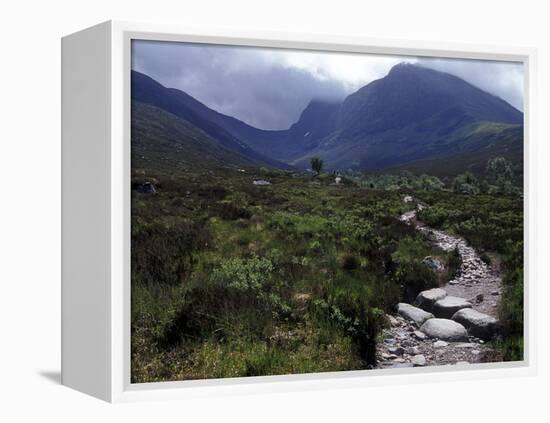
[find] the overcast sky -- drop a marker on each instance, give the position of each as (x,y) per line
(269,88)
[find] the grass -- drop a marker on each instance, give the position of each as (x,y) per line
(231,279)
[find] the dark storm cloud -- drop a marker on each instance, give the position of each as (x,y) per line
(239,82)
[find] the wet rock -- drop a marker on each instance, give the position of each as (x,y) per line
(426,299)
(444,329)
(448,306)
(415,314)
(478,324)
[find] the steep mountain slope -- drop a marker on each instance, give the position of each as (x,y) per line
(498,142)
(412,115)
(162,140)
(146,90)
(317,120)
(411,94)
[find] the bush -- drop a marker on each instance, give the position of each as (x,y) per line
(163,253)
(230,211)
(466,183)
(350,262)
(511,309)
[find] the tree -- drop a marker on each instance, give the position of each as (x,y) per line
(502,174)
(466,183)
(317,164)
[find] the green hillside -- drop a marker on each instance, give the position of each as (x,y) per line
(161,140)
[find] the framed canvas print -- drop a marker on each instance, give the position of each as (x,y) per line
(287,212)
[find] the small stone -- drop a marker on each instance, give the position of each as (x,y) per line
(440,344)
(418,360)
(393,321)
(396,350)
(413,351)
(420,335)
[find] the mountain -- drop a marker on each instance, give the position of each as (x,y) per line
(164,141)
(148,91)
(412,115)
(499,140)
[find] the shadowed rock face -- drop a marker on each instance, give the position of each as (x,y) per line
(445,329)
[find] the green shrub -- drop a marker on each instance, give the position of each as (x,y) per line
(163,253)
(512,307)
(350,262)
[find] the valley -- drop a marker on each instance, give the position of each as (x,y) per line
(320,247)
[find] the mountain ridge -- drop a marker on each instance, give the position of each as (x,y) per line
(411,114)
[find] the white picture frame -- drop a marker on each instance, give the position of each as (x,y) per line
(96,212)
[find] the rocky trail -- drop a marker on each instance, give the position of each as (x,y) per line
(448,325)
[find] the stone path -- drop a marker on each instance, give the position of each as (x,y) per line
(447,325)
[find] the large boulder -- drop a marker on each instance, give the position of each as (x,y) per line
(445,329)
(417,315)
(478,324)
(448,306)
(426,299)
